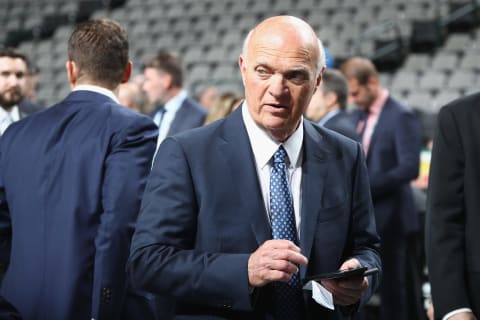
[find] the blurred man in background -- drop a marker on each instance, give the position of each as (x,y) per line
(328,105)
(13,75)
(391,138)
(174,111)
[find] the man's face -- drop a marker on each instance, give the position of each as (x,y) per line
(13,73)
(155,85)
(319,105)
(279,75)
(361,95)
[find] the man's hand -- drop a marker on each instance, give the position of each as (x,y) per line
(275,260)
(347,291)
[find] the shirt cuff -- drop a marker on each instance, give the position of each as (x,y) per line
(454,312)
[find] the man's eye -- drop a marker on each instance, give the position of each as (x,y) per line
(297,77)
(300,76)
(262,71)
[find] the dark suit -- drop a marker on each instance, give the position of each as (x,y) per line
(342,123)
(453,210)
(393,161)
(190,115)
(71,181)
(203,215)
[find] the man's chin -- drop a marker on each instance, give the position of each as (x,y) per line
(9,103)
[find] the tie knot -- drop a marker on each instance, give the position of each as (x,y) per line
(280,155)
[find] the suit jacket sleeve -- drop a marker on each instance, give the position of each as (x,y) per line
(5,226)
(364,242)
(446,218)
(407,140)
(163,257)
(125,171)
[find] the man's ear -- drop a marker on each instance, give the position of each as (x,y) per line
(72,72)
(242,66)
(167,79)
(331,99)
(127,73)
(318,80)
(372,82)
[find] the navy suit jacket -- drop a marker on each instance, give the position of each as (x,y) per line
(342,123)
(203,215)
(190,115)
(393,162)
(453,216)
(71,181)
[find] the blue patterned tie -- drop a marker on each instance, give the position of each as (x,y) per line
(288,295)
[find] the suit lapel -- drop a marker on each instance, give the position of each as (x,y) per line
(314,169)
(234,147)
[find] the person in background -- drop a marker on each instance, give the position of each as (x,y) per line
(13,74)
(174,111)
(208,96)
(130,95)
(31,81)
(28,104)
(220,233)
(224,104)
(391,138)
(328,105)
(71,181)
(453,212)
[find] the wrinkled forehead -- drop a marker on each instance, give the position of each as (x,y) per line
(284,40)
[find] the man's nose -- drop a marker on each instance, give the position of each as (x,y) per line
(13,80)
(278,85)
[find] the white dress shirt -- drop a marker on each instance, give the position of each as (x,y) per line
(263,148)
(97,89)
(171,108)
(327,117)
(8,117)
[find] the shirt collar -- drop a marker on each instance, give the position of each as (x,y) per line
(14,113)
(328,116)
(378,104)
(175,103)
(264,147)
(97,89)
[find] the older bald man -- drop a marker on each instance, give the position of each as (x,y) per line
(236,214)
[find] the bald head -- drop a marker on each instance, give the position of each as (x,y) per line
(283,29)
(281,69)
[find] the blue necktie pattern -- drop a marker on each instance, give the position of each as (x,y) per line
(288,295)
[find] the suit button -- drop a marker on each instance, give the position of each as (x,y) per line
(106,295)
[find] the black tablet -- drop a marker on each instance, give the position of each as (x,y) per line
(342,274)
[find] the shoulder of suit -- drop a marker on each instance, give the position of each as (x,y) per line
(463,104)
(329,135)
